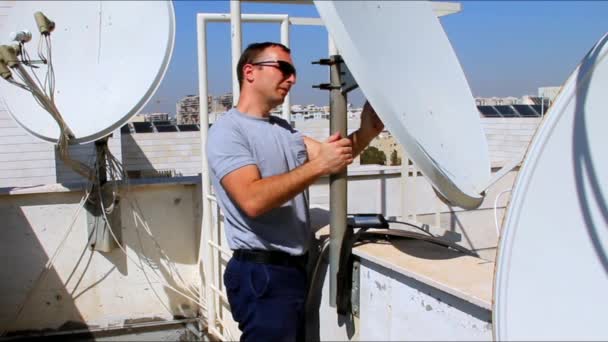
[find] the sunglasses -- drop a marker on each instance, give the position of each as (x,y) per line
(285,67)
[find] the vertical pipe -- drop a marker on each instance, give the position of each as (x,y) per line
(337,182)
(285,41)
(404,188)
(206,228)
(235,31)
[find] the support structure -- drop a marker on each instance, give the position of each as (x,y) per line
(337,182)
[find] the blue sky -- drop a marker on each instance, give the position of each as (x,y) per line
(506,48)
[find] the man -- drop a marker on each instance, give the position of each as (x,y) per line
(260,168)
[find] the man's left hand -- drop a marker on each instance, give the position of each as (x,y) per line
(370,122)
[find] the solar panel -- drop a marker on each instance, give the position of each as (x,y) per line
(506,111)
(525,110)
(188,128)
(539,108)
(143,127)
(125,129)
(488,111)
(161,122)
(166,128)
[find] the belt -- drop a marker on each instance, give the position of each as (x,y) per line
(271,257)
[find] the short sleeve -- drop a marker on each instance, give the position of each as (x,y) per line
(227,150)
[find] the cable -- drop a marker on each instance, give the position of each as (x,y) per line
(496,211)
(115,169)
(161,281)
(411,225)
(22,86)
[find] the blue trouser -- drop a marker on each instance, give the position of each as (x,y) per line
(267,300)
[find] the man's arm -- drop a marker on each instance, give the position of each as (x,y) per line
(256,195)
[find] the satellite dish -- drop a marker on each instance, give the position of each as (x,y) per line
(551,276)
(109,58)
(405,66)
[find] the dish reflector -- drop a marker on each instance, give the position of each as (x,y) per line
(109,58)
(403,62)
(552,266)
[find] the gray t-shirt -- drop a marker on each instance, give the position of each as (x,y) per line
(237,140)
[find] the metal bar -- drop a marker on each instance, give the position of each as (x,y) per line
(254,18)
(220,248)
(306,21)
(285,41)
(220,293)
(235,31)
(337,182)
(205,180)
(404,184)
(216,333)
(288,2)
(211,197)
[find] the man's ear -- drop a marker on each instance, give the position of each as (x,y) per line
(248,73)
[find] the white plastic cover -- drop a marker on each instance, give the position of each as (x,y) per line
(552,266)
(403,62)
(109,58)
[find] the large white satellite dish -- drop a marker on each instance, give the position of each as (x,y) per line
(551,279)
(403,62)
(109,58)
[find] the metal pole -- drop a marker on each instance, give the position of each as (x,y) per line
(404,184)
(337,182)
(205,180)
(285,41)
(235,30)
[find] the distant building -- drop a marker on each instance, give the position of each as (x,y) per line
(549,92)
(224,102)
(138,118)
(187,109)
(496,101)
(151,117)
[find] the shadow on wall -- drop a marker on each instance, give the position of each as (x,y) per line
(161,226)
(32,295)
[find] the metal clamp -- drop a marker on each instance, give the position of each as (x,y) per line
(348,81)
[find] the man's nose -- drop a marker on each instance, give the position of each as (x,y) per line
(291,79)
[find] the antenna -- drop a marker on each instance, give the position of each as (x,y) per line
(108,59)
(552,263)
(101,63)
(405,66)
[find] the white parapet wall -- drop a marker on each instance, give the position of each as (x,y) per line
(85,289)
(94,290)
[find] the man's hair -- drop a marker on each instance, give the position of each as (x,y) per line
(251,53)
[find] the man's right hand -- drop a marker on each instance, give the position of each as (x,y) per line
(335,154)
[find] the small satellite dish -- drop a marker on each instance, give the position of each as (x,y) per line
(109,57)
(407,69)
(551,276)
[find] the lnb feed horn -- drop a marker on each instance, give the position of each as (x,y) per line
(5,72)
(22,37)
(8,54)
(45,25)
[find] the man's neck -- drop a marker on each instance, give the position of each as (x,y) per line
(250,106)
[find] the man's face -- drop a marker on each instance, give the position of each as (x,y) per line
(270,76)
